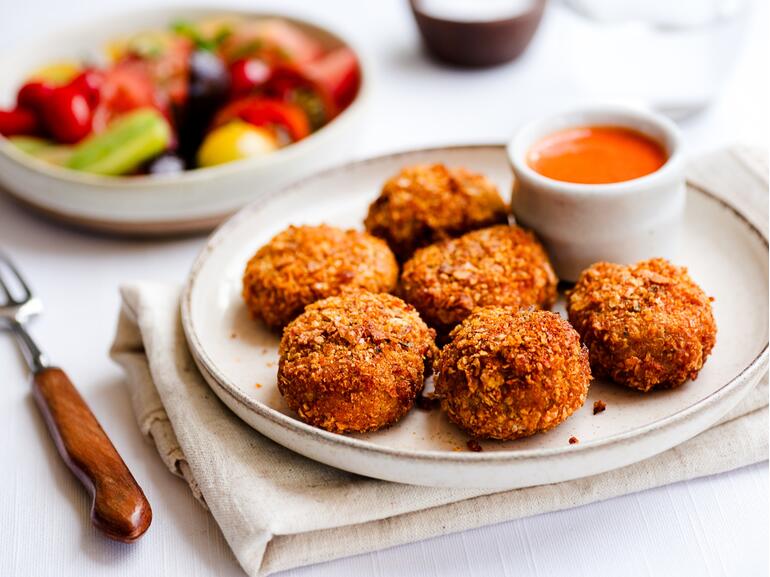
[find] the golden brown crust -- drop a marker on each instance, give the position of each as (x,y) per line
(303,264)
(429,203)
(355,362)
(501,265)
(646,326)
(507,374)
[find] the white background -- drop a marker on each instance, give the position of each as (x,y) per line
(712,526)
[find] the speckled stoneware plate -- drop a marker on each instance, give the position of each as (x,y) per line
(239,357)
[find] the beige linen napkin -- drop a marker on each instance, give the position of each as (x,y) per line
(279,510)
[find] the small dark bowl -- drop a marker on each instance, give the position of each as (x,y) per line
(478,43)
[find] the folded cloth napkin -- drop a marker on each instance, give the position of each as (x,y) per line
(279,510)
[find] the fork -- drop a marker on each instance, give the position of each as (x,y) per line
(118,505)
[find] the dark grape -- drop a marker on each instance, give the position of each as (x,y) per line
(209,78)
(167,163)
(209,86)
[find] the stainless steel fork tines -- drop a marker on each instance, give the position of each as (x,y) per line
(17,305)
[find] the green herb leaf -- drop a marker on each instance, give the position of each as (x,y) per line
(189,30)
(247,50)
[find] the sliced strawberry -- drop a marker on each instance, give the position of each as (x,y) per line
(296,44)
(171,72)
(127,86)
(338,73)
(273,41)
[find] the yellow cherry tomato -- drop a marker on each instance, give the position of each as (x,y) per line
(57,73)
(234,141)
(116,49)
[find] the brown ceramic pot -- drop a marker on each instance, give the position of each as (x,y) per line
(478,43)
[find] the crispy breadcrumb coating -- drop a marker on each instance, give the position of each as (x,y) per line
(646,326)
(430,203)
(501,265)
(303,264)
(355,362)
(507,374)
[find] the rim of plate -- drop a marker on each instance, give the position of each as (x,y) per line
(758,364)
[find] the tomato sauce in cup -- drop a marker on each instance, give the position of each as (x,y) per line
(596,155)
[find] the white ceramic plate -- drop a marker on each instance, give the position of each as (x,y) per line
(238,357)
(193,201)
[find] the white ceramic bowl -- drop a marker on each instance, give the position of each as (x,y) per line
(193,201)
(622,222)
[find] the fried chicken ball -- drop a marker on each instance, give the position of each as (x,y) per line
(430,203)
(303,264)
(355,362)
(510,373)
(646,326)
(501,265)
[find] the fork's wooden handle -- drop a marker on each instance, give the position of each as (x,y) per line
(118,507)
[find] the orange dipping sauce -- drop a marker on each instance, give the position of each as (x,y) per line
(596,155)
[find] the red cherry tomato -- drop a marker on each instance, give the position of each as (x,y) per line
(126,87)
(18,121)
(68,115)
(246,75)
(338,73)
(34,95)
(89,83)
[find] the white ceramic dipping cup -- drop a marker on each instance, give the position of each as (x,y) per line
(621,222)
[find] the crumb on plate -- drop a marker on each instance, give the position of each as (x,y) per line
(473,445)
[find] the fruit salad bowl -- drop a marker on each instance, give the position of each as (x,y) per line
(165,202)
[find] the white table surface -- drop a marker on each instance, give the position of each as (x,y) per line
(711,526)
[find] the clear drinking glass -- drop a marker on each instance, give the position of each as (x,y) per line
(671,55)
